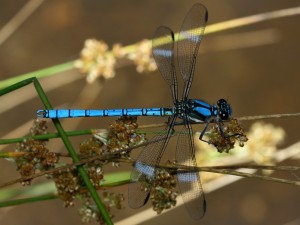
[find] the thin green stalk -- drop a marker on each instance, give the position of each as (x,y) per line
(213,28)
(54,196)
(62,134)
(14,86)
(27,200)
(46,193)
(73,155)
(46,136)
(38,74)
(256,176)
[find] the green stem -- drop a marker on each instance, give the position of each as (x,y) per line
(15,86)
(61,131)
(46,136)
(27,200)
(213,28)
(112,180)
(38,74)
(74,156)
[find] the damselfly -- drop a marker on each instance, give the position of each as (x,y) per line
(187,110)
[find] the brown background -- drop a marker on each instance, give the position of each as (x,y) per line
(256,80)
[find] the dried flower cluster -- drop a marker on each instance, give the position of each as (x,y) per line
(89,214)
(121,135)
(261,148)
(105,147)
(142,57)
(35,154)
(89,211)
(113,199)
(233,132)
(91,148)
(68,185)
(264,139)
(262,144)
(96,60)
(162,189)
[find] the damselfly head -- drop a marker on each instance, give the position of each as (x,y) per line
(41,113)
(224,108)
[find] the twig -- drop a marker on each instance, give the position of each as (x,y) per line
(229,169)
(241,118)
(209,187)
(81,162)
(259,117)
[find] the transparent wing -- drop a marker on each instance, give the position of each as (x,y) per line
(145,167)
(189,183)
(189,40)
(163,54)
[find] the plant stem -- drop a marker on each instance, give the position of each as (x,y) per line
(27,200)
(46,136)
(38,74)
(74,156)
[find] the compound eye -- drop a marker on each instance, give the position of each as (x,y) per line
(41,113)
(221,102)
(224,115)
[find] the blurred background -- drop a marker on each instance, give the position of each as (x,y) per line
(255,67)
